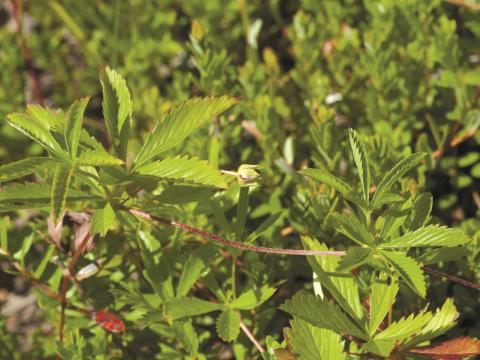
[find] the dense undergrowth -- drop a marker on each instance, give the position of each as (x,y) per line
(239,179)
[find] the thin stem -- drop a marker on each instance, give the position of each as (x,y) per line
(453,278)
(251,337)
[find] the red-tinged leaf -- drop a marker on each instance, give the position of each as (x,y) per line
(108,321)
(454,349)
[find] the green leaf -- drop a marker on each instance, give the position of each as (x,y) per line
(322,314)
(443,254)
(380,347)
(60,185)
(381,300)
(24,167)
(432,235)
(405,327)
(179,123)
(312,343)
(351,227)
(36,132)
(177,308)
(396,174)
(4,221)
(409,270)
(73,125)
(395,218)
(103,219)
(355,257)
(46,117)
(252,298)
(361,161)
(420,211)
(325,177)
(186,334)
(97,158)
(198,261)
(183,169)
(443,320)
(117,109)
(341,285)
(228,325)
(272,219)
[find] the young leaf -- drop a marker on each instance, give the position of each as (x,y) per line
(381,300)
(351,227)
(322,314)
(228,324)
(177,308)
(73,125)
(252,298)
(325,177)
(46,117)
(61,183)
(409,270)
(361,161)
(184,169)
(179,123)
(313,343)
(395,174)
(432,235)
(36,132)
(97,158)
(420,211)
(117,109)
(355,257)
(24,167)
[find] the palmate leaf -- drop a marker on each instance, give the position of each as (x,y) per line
(312,343)
(228,324)
(25,167)
(322,314)
(186,170)
(30,195)
(381,300)
(97,158)
(432,235)
(179,123)
(35,131)
(61,183)
(341,285)
(395,174)
(361,162)
(117,109)
(409,270)
(325,177)
(73,125)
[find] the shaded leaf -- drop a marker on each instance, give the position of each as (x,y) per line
(193,268)
(325,177)
(361,162)
(351,227)
(252,298)
(73,125)
(395,218)
(420,211)
(355,257)
(228,325)
(60,185)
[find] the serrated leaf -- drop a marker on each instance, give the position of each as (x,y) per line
(355,257)
(405,327)
(186,334)
(322,314)
(381,300)
(325,177)
(361,162)
(443,320)
(228,324)
(24,167)
(193,268)
(60,185)
(409,270)
(36,132)
(44,116)
(380,347)
(186,170)
(395,218)
(117,109)
(312,343)
(97,158)
(396,174)
(443,254)
(420,211)
(341,285)
(73,125)
(351,227)
(177,308)
(432,235)
(103,219)
(179,123)
(252,298)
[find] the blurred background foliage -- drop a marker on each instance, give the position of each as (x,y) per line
(405,74)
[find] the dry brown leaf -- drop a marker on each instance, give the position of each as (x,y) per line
(454,349)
